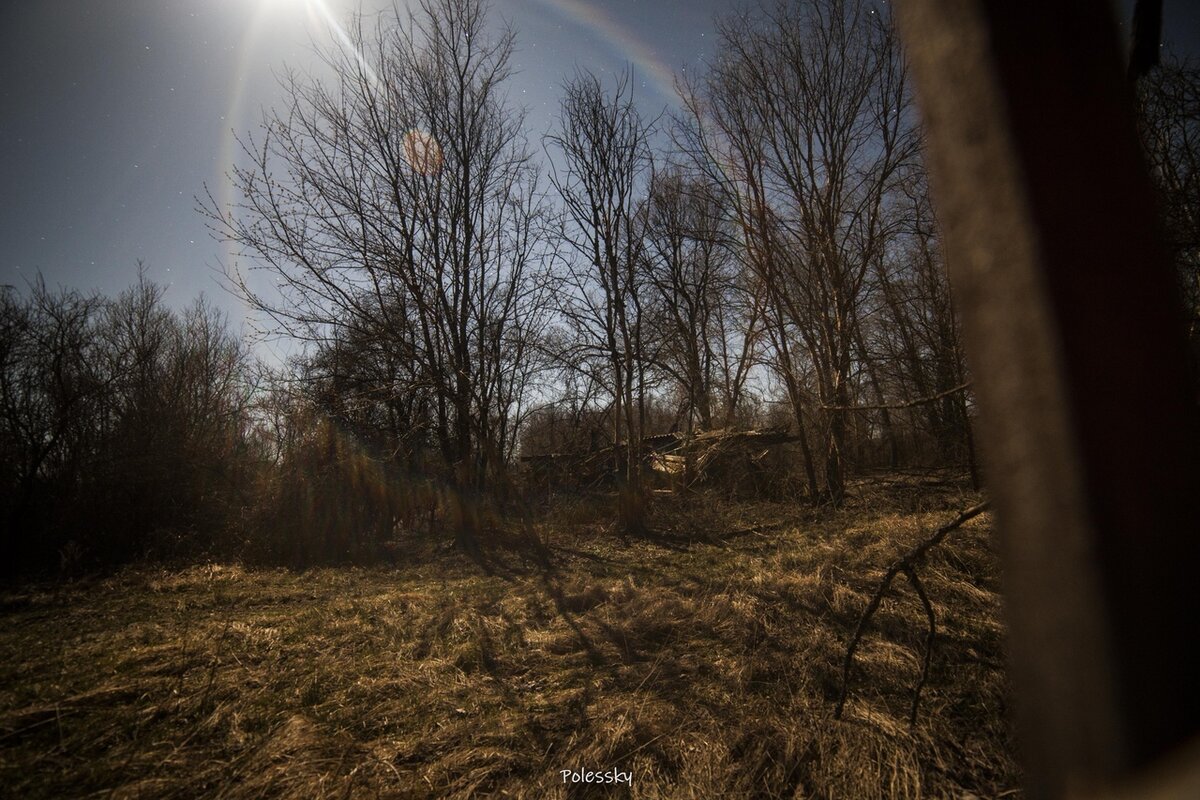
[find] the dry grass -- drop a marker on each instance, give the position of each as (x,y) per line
(705,662)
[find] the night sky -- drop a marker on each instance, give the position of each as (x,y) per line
(114,114)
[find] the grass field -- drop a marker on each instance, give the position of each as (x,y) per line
(705,661)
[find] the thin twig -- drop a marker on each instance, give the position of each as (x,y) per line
(920,401)
(929,640)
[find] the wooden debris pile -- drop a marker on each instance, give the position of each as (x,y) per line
(743,461)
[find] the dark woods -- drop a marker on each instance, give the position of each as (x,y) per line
(766,258)
(126,428)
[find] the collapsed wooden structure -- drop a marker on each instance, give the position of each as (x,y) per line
(750,461)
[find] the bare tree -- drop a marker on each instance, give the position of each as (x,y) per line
(804,119)
(706,325)
(400,203)
(48,385)
(1169,121)
(603,162)
(913,331)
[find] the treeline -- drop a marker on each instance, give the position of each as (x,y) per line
(767,256)
(125,427)
(130,430)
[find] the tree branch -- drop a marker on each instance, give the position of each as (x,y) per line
(906,564)
(920,401)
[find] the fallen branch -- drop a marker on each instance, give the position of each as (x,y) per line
(906,564)
(920,401)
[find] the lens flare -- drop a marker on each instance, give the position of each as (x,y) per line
(422,152)
(319,14)
(591,17)
(320,9)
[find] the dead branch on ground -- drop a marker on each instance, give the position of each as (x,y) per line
(908,565)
